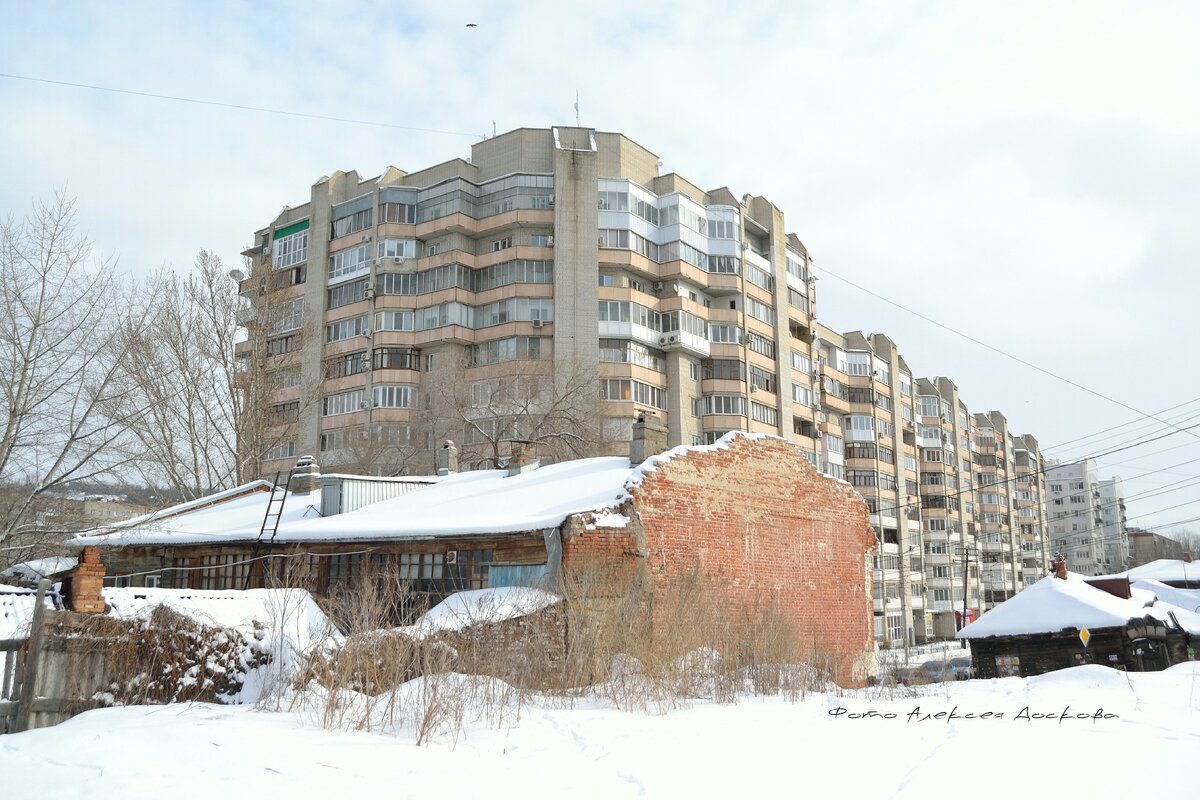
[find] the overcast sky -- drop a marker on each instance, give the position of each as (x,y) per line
(1025,173)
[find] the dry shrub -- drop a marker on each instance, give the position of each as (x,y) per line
(164,658)
(606,637)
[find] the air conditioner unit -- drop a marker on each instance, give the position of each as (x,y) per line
(398,260)
(366,237)
(549,240)
(363,404)
(550,202)
(369,292)
(537,323)
(658,286)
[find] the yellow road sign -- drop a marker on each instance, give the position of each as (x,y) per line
(1084,636)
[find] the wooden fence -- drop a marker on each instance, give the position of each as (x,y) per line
(33,678)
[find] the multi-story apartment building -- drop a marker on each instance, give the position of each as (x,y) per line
(1146,546)
(994,458)
(549,290)
(1074,518)
(1117,555)
(869,439)
(952,555)
(1029,506)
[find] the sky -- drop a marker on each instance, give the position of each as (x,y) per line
(1025,174)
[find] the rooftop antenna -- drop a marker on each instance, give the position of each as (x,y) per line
(576,108)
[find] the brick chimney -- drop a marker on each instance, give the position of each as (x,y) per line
(447,459)
(1058,566)
(649,439)
(519,460)
(306,476)
(1187,558)
(85,593)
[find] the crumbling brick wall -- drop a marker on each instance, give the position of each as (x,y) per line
(764,526)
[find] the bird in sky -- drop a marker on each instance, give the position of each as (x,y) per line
(472,25)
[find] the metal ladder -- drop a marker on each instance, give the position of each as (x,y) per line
(275,506)
(272,516)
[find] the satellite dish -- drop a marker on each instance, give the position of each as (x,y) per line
(237,275)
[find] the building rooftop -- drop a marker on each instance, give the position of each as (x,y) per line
(1053,604)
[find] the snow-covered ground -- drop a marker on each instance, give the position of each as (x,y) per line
(1132,735)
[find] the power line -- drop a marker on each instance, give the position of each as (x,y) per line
(1004,353)
(1124,427)
(973,488)
(240,107)
(1139,429)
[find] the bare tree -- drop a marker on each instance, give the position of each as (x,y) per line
(552,412)
(64,397)
(215,394)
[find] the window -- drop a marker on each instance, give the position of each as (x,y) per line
(342,403)
(349,262)
(762,380)
(728,404)
(284,344)
(760,311)
(346,328)
(801,362)
(397,248)
(400,396)
(394,320)
(282,450)
(798,300)
(509,349)
(760,344)
(760,278)
(802,395)
(858,363)
(359,220)
(728,369)
(765,414)
(403,213)
(291,248)
(349,364)
(621,351)
(635,391)
(346,293)
(293,276)
(540,239)
(283,413)
(288,316)
(396,358)
(722,334)
(337,439)
(501,244)
(833,444)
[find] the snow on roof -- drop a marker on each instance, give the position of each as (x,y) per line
(40,568)
(384,478)
(492,501)
(485,501)
(1184,598)
(16,610)
(1053,604)
(234,514)
(464,609)
(1166,570)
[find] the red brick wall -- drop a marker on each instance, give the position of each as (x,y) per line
(767,528)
